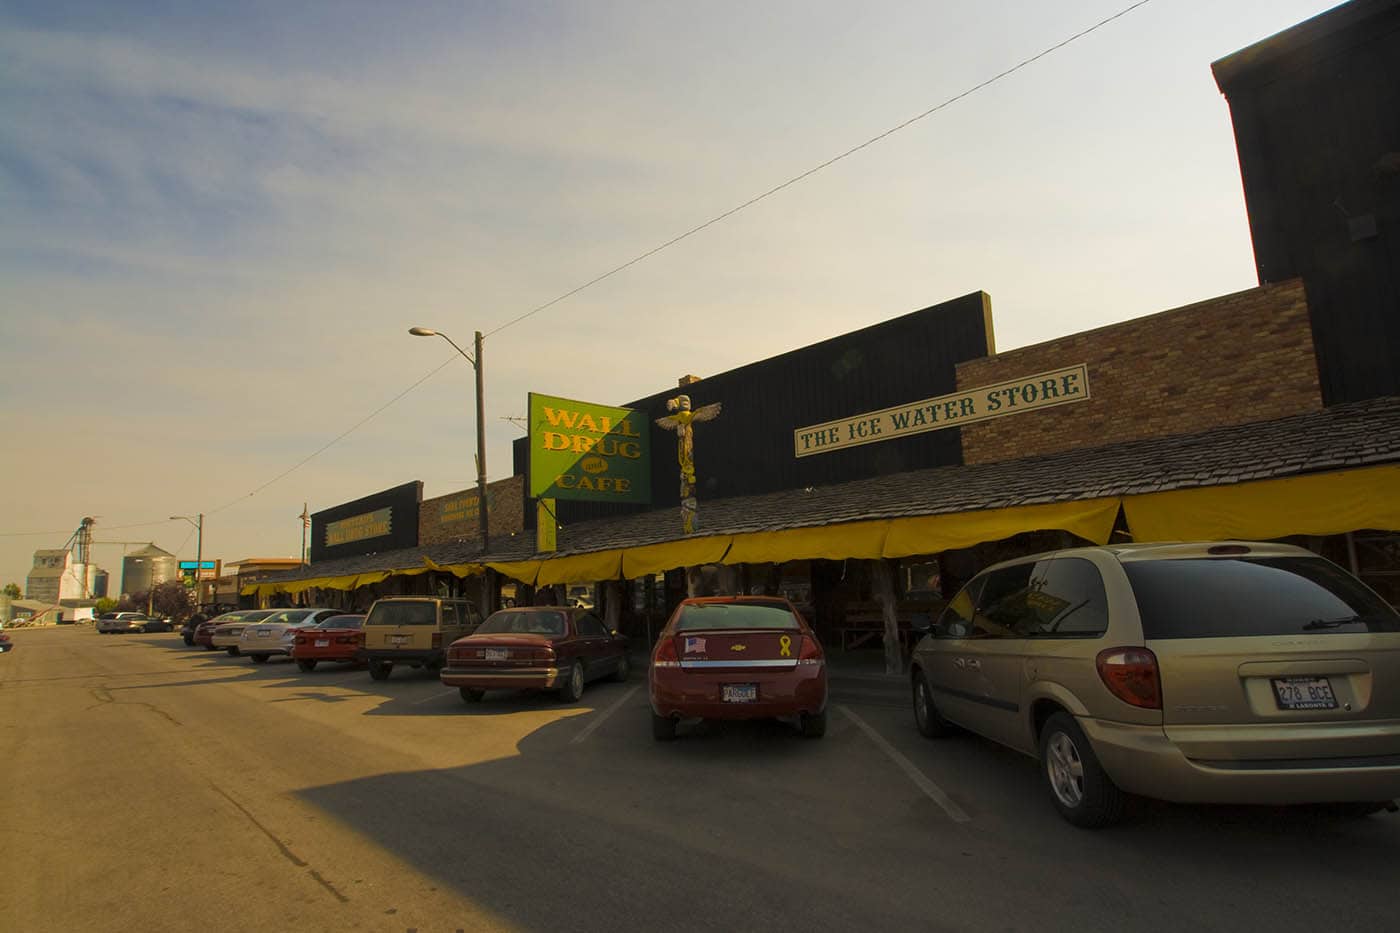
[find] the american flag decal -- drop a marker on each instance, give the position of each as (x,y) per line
(694,644)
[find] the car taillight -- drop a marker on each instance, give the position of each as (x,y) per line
(300,638)
(542,654)
(811,651)
(1131,675)
(665,655)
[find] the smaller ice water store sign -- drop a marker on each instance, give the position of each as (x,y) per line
(1029,393)
(359,527)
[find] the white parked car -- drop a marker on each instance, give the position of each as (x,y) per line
(276,634)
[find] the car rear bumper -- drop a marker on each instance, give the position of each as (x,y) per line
(253,649)
(1143,760)
(688,694)
(226,641)
(343,653)
(525,678)
(420,656)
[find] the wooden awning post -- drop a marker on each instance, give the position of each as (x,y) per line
(883,576)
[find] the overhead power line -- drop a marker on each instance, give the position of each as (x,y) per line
(817,168)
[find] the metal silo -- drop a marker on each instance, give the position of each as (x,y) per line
(148,567)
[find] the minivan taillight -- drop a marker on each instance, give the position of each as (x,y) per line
(1131,675)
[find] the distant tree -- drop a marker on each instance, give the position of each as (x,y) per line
(171,600)
(132,602)
(105,605)
(12,590)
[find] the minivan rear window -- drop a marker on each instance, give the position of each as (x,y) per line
(708,616)
(404,613)
(1225,597)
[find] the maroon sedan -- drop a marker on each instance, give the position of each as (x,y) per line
(544,648)
(737,657)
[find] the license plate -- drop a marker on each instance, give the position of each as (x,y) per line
(496,654)
(739,693)
(1304,693)
(264,634)
(398,639)
(323,643)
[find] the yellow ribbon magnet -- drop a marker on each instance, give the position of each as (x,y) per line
(785,643)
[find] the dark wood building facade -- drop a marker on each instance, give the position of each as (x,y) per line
(1316,111)
(748,450)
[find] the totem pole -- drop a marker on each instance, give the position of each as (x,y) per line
(681,423)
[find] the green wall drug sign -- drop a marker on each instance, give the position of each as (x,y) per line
(583,451)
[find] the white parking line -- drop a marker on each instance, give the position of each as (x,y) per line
(598,720)
(921,781)
(435,696)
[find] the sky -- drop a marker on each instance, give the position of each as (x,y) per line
(218,221)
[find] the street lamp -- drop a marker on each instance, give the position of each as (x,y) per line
(198,554)
(480,425)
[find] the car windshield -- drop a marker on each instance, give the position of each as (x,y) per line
(530,622)
(288,616)
(402,613)
(1220,598)
(708,616)
(347,621)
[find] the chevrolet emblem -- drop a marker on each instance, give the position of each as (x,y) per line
(738,647)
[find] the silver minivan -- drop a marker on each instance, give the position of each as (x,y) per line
(1224,672)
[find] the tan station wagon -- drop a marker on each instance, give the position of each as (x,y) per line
(414,630)
(1227,672)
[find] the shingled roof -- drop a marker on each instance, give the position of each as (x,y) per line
(1345,436)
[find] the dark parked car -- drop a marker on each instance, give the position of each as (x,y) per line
(5,643)
(542,647)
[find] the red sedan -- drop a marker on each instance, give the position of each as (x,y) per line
(543,648)
(336,638)
(737,657)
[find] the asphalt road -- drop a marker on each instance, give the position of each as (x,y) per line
(146,785)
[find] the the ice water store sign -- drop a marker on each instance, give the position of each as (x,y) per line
(1029,393)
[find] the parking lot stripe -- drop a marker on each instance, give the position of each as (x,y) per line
(435,696)
(921,781)
(598,720)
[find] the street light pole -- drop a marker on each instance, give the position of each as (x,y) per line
(480,425)
(198,555)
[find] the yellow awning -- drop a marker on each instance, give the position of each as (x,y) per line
(654,558)
(1091,519)
(1317,504)
(829,542)
(367,579)
(522,570)
(248,589)
(408,571)
(580,568)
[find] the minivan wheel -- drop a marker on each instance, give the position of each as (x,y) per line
(307,664)
(472,694)
(930,722)
(1079,787)
(813,725)
(573,687)
(258,658)
(379,670)
(233,652)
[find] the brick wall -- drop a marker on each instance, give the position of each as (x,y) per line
(1230,360)
(454,516)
